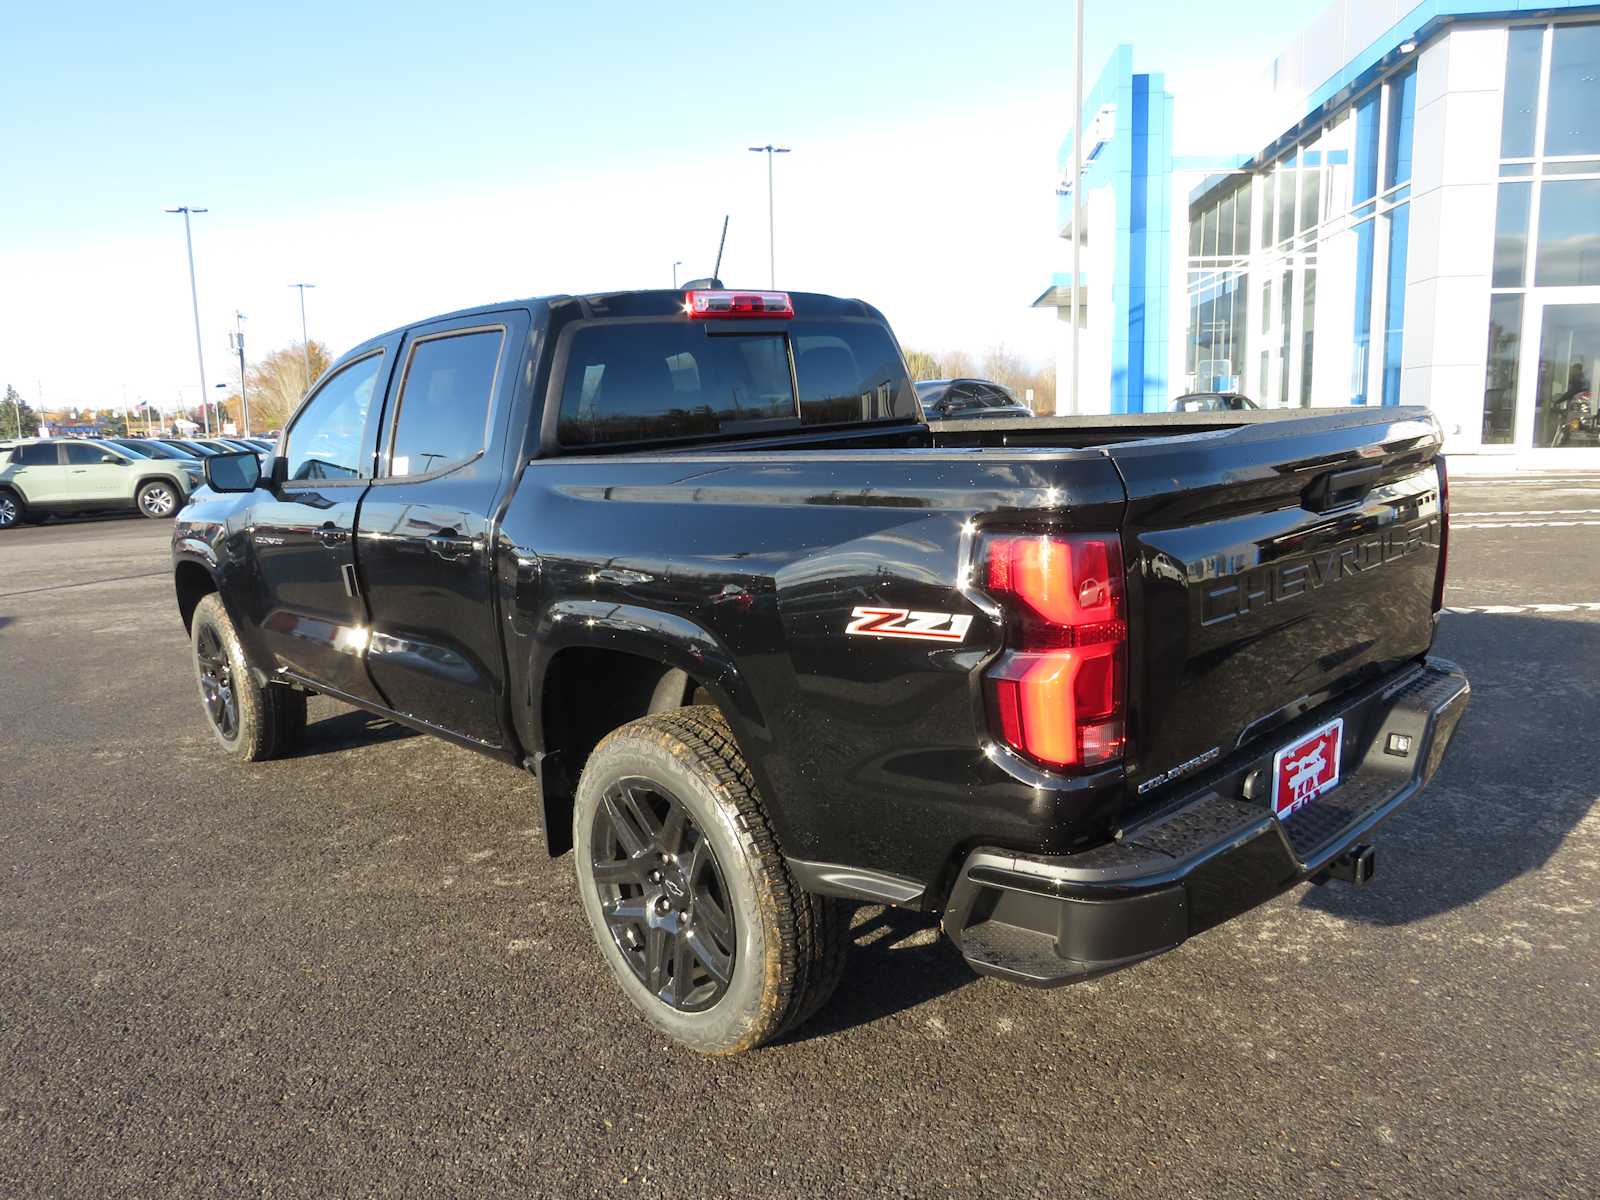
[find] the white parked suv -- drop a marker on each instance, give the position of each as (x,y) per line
(61,475)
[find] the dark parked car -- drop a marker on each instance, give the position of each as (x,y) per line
(190,446)
(152,448)
(773,644)
(1213,402)
(964,399)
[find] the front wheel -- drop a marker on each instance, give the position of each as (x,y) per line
(251,721)
(687,894)
(157,499)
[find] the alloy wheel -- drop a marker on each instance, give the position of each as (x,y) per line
(8,512)
(663,895)
(216,682)
(157,501)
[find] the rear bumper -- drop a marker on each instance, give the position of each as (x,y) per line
(1052,920)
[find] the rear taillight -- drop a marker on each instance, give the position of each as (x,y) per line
(1444,534)
(1058,692)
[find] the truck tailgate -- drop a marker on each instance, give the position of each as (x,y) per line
(1271,566)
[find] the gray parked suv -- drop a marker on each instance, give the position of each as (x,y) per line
(83,475)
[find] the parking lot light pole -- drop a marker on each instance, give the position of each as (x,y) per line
(772,260)
(194,299)
(305,342)
(675,267)
(244,401)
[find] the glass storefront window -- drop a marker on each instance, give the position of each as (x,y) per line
(1308,312)
(1524,54)
(1569,233)
(1310,199)
(1402,111)
(1395,308)
(1511,234)
(1286,181)
(1569,360)
(1500,381)
(1363,324)
(1366,170)
(1572,117)
(1241,221)
(1286,288)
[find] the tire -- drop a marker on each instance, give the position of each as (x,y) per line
(251,722)
(13,511)
(158,499)
(687,894)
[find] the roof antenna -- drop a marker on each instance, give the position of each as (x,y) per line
(716,271)
(712,281)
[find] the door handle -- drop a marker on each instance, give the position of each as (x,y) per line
(448,545)
(331,536)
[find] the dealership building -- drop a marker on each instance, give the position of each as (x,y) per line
(1416,221)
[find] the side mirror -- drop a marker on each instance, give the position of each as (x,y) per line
(236,472)
(112,460)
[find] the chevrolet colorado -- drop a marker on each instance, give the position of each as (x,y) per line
(1084,686)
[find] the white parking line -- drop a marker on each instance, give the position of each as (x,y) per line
(1528,512)
(1496,609)
(1455,525)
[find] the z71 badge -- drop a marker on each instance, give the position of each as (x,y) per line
(902,623)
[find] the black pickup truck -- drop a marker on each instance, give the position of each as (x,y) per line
(773,644)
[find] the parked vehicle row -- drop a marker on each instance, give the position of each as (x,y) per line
(152,475)
(74,475)
(773,643)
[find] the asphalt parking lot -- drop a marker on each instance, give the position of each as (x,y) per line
(356,971)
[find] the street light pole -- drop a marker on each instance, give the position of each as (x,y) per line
(305,342)
(238,344)
(772,261)
(194,298)
(675,267)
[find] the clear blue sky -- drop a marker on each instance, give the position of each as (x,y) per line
(289,110)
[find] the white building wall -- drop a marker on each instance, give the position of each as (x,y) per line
(1094,339)
(1460,78)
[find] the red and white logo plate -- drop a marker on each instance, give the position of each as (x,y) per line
(1307,769)
(904,623)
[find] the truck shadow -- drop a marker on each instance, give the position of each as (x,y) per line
(1521,773)
(348,730)
(898,960)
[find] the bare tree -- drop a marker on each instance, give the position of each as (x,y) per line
(922,364)
(278,381)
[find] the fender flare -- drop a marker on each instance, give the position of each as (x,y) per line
(667,638)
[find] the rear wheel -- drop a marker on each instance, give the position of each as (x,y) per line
(11,510)
(157,499)
(687,894)
(251,721)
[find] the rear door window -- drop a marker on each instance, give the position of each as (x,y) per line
(35,454)
(444,401)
